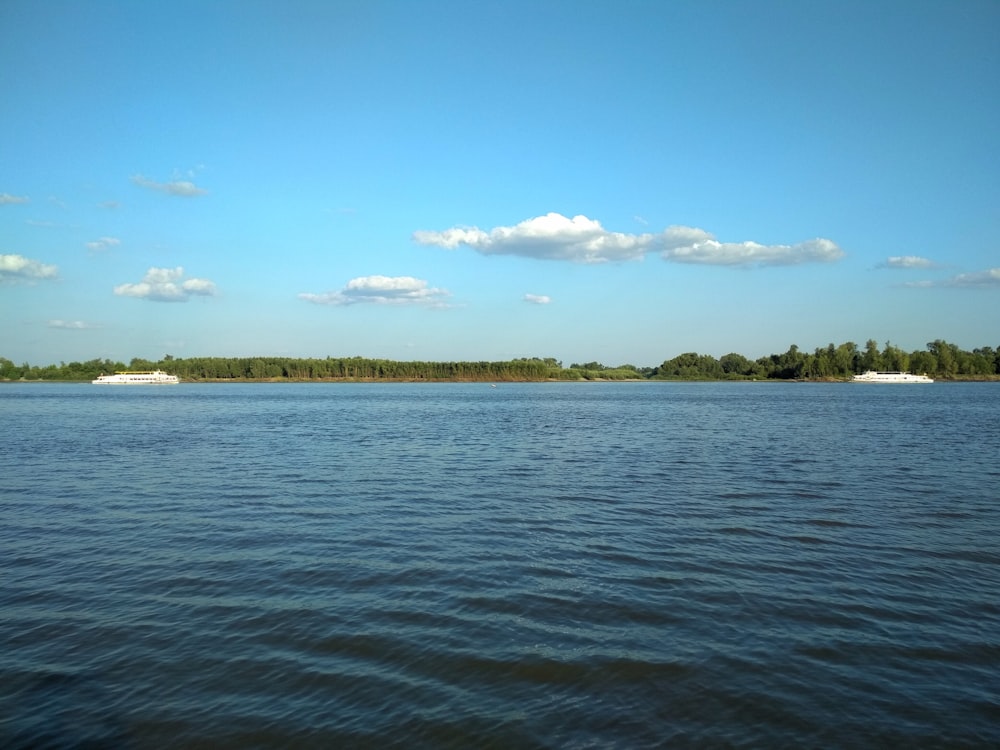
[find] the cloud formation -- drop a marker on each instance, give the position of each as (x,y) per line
(8,199)
(181,188)
(14,268)
(906,261)
(988,279)
(537,299)
(103,243)
(584,240)
(73,325)
(167,285)
(382,290)
(550,237)
(709,251)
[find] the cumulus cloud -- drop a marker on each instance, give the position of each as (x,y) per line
(584,240)
(15,268)
(73,325)
(537,299)
(551,237)
(906,261)
(167,285)
(382,290)
(182,188)
(7,199)
(103,243)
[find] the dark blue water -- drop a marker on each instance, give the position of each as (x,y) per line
(540,566)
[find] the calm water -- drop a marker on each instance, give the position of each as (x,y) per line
(540,565)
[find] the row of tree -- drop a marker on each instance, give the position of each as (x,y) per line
(941,359)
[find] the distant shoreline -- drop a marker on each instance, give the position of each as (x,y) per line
(432,381)
(833,363)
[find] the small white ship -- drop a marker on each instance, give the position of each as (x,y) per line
(137,377)
(891,377)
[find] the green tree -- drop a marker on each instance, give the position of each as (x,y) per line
(923,363)
(871,359)
(691,366)
(8,370)
(789,366)
(946,356)
(895,359)
(845,359)
(982,361)
(737,366)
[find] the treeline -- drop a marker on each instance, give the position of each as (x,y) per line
(941,360)
(290,368)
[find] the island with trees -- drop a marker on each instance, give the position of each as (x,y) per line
(940,360)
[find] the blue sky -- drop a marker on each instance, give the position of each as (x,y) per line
(610,181)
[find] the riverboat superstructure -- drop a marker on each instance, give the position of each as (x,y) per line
(137,377)
(891,377)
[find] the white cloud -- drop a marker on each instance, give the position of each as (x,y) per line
(73,325)
(537,299)
(712,252)
(7,199)
(18,268)
(382,290)
(182,188)
(584,240)
(906,261)
(202,287)
(986,279)
(166,285)
(103,243)
(550,237)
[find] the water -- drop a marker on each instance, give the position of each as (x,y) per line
(534,565)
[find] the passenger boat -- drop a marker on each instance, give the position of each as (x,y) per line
(891,377)
(137,377)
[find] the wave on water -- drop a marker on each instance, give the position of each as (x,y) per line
(536,565)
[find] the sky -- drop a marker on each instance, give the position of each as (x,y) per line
(588,180)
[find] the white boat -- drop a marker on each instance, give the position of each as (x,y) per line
(137,377)
(891,377)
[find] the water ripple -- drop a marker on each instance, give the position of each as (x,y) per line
(537,566)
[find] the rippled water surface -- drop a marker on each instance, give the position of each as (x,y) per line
(538,565)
